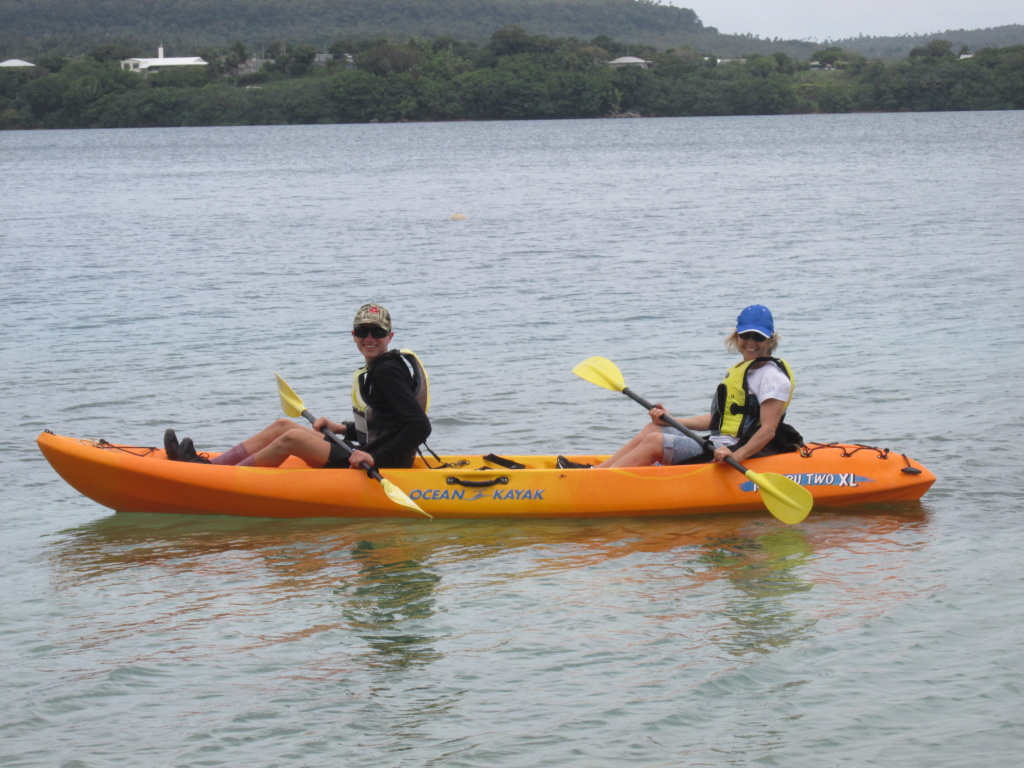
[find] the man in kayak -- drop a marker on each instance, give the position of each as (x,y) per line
(389,402)
(747,410)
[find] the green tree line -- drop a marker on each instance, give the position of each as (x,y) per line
(195,23)
(31,29)
(515,76)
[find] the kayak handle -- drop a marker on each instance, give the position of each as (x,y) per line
(477,483)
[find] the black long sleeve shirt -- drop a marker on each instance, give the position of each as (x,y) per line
(399,421)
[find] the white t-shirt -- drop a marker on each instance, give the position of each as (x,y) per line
(765,383)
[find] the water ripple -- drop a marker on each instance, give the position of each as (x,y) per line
(885,244)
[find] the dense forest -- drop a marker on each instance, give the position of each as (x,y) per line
(191,24)
(30,29)
(514,75)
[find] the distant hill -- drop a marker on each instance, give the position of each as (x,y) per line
(898,47)
(320,22)
(33,27)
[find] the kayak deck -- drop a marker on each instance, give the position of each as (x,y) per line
(141,479)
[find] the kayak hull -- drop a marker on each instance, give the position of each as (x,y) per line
(140,479)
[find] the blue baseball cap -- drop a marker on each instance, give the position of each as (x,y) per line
(757,318)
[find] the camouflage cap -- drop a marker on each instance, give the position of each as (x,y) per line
(373,314)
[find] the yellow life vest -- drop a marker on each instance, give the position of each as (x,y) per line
(362,412)
(732,412)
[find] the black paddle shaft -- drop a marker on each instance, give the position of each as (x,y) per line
(370,469)
(708,445)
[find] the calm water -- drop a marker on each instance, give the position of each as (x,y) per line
(157,278)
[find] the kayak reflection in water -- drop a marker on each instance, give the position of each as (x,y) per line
(389,404)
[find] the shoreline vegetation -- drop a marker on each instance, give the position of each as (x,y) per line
(513,76)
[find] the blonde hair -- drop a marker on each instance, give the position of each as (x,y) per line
(732,343)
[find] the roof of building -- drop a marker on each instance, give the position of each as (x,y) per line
(168,61)
(628,60)
(15,63)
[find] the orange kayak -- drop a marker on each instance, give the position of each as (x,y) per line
(141,479)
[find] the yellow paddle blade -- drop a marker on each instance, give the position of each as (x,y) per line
(291,403)
(601,371)
(789,501)
(398,496)
(293,406)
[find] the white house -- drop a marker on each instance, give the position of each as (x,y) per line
(629,61)
(323,59)
(15,63)
(155,65)
(254,64)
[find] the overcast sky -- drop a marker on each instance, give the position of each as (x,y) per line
(838,19)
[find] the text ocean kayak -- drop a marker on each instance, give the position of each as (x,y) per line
(140,479)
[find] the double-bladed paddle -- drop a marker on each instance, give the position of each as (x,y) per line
(293,406)
(789,501)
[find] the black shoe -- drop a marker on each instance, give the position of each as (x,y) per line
(563,463)
(187,452)
(171,446)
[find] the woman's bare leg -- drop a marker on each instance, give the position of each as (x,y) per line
(300,441)
(644,449)
(240,453)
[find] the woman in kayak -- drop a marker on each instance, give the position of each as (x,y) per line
(747,410)
(389,404)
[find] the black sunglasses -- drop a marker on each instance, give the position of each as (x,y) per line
(362,331)
(752,336)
